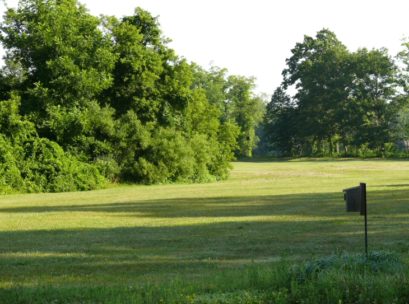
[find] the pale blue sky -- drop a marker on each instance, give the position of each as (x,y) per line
(254,37)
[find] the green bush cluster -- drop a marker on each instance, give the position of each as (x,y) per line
(98,99)
(30,163)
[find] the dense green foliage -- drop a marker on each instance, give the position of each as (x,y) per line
(106,98)
(31,163)
(345,103)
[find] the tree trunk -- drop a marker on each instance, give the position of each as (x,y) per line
(330,146)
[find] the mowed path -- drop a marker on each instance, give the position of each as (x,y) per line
(266,211)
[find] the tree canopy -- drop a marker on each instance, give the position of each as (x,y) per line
(87,99)
(345,103)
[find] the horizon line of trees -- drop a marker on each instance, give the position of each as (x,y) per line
(343,103)
(85,100)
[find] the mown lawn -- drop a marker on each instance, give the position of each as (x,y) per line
(129,236)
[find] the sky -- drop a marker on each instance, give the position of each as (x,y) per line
(254,37)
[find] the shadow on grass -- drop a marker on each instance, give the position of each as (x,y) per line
(295,204)
(292,205)
(125,253)
(267,159)
(120,255)
(394,185)
(235,231)
(271,159)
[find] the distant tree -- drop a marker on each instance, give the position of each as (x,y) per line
(370,107)
(233,96)
(341,98)
(400,127)
(317,69)
(214,83)
(281,123)
(244,109)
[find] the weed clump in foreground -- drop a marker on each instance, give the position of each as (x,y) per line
(346,278)
(376,262)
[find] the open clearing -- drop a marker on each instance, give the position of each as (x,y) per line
(265,212)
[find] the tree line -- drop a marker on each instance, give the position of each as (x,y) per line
(86,100)
(333,102)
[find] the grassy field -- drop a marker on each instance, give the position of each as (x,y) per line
(202,236)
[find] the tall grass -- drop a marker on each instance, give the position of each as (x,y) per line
(344,278)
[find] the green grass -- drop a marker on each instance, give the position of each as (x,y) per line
(125,243)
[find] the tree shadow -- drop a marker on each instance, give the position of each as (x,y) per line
(294,204)
(394,185)
(236,231)
(267,159)
(301,204)
(139,251)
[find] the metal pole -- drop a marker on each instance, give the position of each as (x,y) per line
(363,200)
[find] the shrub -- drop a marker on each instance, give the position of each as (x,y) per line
(10,175)
(46,167)
(169,158)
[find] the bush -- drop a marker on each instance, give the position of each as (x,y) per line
(169,158)
(45,167)
(149,154)
(42,166)
(10,175)
(29,163)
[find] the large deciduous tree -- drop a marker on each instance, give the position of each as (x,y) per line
(318,70)
(340,97)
